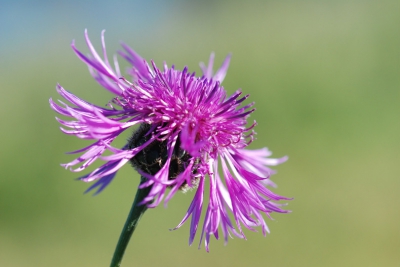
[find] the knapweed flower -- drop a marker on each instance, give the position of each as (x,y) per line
(187,130)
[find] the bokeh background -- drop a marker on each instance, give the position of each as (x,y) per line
(325,76)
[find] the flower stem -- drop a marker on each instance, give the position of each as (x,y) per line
(131,222)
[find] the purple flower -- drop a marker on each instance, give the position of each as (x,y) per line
(188,130)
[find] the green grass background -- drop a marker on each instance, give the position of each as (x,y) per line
(325,76)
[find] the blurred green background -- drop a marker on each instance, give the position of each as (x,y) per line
(325,76)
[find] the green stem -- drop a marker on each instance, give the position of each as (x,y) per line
(134,216)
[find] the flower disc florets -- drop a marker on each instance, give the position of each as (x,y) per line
(188,129)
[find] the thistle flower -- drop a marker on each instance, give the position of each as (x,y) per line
(187,131)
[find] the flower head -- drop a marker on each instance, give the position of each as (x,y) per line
(188,130)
